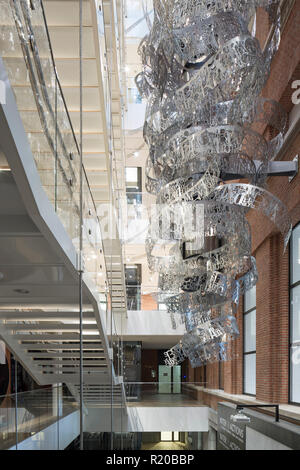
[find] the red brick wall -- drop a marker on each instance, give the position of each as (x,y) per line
(272,316)
(212,376)
(272,291)
(272,312)
(287,57)
(191,373)
(262,26)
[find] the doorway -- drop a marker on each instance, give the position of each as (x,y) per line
(169,436)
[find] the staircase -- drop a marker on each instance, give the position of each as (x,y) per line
(103,395)
(39,317)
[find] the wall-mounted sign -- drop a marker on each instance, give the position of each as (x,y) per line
(231,435)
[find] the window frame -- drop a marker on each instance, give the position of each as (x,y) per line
(221,375)
(290,320)
(248,353)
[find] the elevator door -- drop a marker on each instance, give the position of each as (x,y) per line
(176,379)
(164,379)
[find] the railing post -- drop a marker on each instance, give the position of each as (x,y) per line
(277,413)
(81,227)
(16,399)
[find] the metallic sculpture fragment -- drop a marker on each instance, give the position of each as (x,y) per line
(203,73)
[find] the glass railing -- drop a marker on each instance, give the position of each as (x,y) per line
(108,65)
(164,393)
(109,441)
(147,297)
(131,441)
(25,414)
(133,294)
(27,54)
(117,347)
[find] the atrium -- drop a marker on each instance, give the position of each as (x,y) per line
(149,225)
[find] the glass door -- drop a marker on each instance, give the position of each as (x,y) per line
(176,379)
(164,379)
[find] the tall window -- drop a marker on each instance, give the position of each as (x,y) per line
(250,342)
(295,315)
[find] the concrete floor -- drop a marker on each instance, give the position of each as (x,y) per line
(164,446)
(161,399)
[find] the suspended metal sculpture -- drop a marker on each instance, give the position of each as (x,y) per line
(203,73)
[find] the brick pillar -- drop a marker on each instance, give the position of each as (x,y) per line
(272,312)
(262,26)
(212,375)
(228,372)
(191,373)
(280,321)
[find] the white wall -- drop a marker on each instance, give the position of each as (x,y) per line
(135,117)
(147,323)
(179,418)
(149,419)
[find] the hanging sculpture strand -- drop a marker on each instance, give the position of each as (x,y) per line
(203,73)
